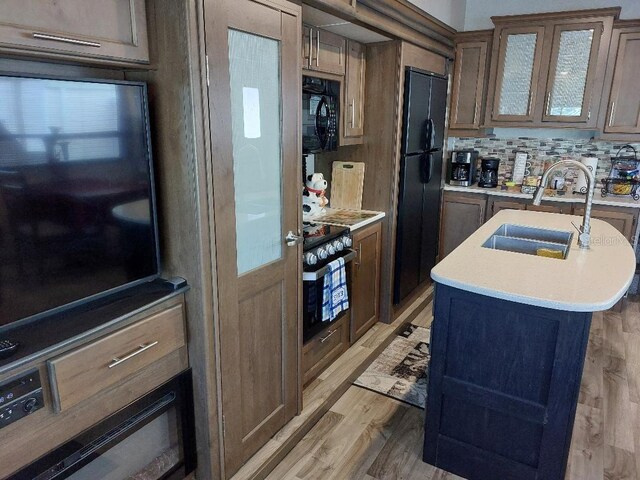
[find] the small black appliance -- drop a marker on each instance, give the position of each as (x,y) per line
(320,113)
(489,172)
(462,168)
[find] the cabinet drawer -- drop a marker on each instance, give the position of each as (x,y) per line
(324,348)
(97,366)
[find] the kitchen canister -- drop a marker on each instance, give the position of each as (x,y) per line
(591,162)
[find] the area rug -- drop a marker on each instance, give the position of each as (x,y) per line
(400,371)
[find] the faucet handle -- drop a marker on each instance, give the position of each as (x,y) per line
(584,237)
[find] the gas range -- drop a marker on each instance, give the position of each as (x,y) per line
(323,243)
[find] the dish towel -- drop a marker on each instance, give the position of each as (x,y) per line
(335,298)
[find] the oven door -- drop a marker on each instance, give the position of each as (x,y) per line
(313,297)
(151,439)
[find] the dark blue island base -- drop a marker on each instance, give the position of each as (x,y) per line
(504,380)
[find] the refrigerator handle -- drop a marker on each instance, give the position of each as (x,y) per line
(427,167)
(431,135)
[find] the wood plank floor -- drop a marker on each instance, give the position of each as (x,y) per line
(368,436)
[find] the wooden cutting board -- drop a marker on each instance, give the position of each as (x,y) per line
(347,183)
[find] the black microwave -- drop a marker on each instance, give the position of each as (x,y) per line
(320,113)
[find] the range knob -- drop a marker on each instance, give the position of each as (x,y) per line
(331,249)
(322,253)
(30,405)
(338,245)
(347,241)
(310,258)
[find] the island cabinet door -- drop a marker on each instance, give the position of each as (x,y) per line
(503,386)
(253,50)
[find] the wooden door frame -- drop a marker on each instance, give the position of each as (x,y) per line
(219,16)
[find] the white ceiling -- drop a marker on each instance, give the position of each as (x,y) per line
(318,18)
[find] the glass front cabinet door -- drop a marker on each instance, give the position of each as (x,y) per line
(548,70)
(518,73)
(572,71)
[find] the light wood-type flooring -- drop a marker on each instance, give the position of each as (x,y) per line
(368,436)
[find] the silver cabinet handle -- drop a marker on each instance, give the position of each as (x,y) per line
(292,239)
(613,109)
(548,104)
(310,46)
(74,41)
(318,48)
(142,348)
(353,113)
(331,332)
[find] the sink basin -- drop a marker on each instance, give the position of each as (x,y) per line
(530,241)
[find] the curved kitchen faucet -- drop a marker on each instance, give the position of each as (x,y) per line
(585,229)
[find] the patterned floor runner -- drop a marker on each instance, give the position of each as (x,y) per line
(401,369)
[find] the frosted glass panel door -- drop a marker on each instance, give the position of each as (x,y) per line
(517,75)
(570,79)
(574,59)
(254,67)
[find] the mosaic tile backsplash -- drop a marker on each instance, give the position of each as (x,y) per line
(542,151)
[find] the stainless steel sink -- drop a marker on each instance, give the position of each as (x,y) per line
(529,240)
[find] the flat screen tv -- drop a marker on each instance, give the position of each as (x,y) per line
(77,207)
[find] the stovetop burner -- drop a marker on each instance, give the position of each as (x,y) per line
(316,234)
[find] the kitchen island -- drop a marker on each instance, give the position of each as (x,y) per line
(508,343)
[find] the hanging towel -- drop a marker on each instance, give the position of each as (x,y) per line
(335,298)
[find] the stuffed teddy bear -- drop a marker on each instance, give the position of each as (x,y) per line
(313,198)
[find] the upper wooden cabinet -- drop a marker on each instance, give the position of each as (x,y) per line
(469,80)
(548,69)
(353,105)
(110,31)
(620,111)
(323,51)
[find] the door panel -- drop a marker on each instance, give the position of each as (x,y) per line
(416,112)
(407,264)
(572,72)
(519,61)
(431,195)
(254,66)
(623,113)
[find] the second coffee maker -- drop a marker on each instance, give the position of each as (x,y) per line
(489,172)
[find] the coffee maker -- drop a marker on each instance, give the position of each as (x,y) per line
(462,168)
(489,172)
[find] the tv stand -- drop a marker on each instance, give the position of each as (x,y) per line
(38,337)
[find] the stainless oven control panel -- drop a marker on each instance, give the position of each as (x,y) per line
(326,252)
(19,397)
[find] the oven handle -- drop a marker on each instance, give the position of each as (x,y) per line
(318,274)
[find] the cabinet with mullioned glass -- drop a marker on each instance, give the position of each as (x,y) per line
(548,69)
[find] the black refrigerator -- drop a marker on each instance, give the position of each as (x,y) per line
(425,102)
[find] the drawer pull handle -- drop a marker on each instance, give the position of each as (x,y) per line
(74,41)
(117,361)
(331,332)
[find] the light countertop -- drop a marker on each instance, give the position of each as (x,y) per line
(354,219)
(587,280)
(598,199)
